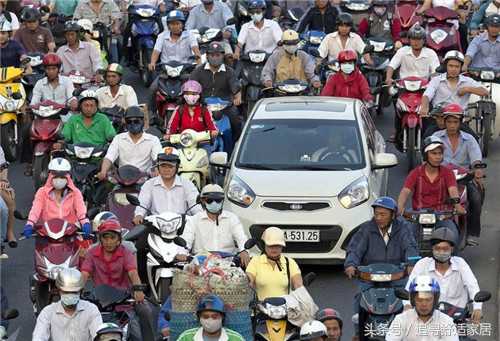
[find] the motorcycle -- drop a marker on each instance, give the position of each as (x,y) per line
(410,90)
(358,9)
(38,72)
(442,35)
(290,19)
(310,41)
(253,64)
(194,160)
(486,109)
(45,129)
(144,31)
(406,11)
(116,116)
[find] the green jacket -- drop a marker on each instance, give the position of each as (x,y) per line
(99,133)
(196,334)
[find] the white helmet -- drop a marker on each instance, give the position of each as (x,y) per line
(70,280)
(455,55)
(88,94)
(5,25)
(59,165)
(86,24)
(102,217)
(312,329)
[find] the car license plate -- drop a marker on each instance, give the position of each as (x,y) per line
(302,236)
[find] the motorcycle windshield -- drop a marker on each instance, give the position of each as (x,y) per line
(170,88)
(380,301)
(106,296)
(128,175)
(45,129)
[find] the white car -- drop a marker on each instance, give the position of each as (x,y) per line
(311,166)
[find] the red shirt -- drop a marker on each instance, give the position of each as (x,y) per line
(427,194)
(352,86)
(195,122)
(113,271)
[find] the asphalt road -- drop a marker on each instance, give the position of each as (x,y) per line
(331,288)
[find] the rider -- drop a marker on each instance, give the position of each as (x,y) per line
(209,13)
(349,82)
(87,35)
(425,317)
(9,15)
(343,39)
(58,199)
(133,147)
(462,149)
(7,204)
(89,126)
(487,9)
(32,36)
(211,314)
(288,62)
(332,321)
(116,93)
(320,17)
(11,51)
(108,332)
(272,274)
(455,277)
(484,49)
(79,55)
(70,318)
(103,11)
(313,331)
(215,229)
(381,23)
(431,184)
(259,33)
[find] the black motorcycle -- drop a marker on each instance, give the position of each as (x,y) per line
(252,65)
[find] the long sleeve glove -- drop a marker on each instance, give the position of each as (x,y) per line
(87,230)
(28,230)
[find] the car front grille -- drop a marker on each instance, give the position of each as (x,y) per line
(295,206)
(329,236)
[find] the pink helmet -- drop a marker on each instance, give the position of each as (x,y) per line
(191,86)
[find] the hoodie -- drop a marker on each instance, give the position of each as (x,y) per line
(354,85)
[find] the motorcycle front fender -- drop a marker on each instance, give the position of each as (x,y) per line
(163,273)
(253,93)
(7,117)
(374,79)
(147,42)
(411,121)
(276,329)
(42,148)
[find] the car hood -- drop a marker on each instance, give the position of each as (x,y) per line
(298,183)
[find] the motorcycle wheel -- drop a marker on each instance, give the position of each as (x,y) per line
(411,151)
(42,296)
(40,165)
(361,325)
(486,135)
(8,141)
(146,75)
(164,289)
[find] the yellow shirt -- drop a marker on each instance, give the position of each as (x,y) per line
(269,280)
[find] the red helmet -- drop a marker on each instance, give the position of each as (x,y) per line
(454,110)
(52,59)
(110,225)
(347,56)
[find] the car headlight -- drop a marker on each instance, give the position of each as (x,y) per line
(355,194)
(239,193)
(203,162)
(10,105)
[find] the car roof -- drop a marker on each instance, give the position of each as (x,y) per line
(307,107)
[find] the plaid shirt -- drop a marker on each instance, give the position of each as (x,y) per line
(109,12)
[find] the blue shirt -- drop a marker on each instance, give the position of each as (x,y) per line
(484,53)
(10,54)
(439,92)
(468,150)
(179,50)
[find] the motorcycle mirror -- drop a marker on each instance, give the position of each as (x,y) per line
(19,215)
(453,201)
(132,199)
(10,314)
(180,241)
(482,296)
(231,21)
(402,294)
(92,212)
(17,96)
(25,61)
(441,69)
(250,243)
(309,278)
(369,49)
(135,233)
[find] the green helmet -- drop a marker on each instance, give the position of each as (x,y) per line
(116,68)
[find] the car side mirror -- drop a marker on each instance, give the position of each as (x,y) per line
(219,159)
(482,296)
(402,294)
(384,160)
(132,199)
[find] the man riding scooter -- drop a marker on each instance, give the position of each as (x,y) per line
(381,23)
(333,323)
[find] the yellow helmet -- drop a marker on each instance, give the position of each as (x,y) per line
(290,37)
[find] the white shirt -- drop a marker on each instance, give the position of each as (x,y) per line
(202,234)
(407,326)
(446,3)
(125,97)
(409,65)
(55,324)
(265,38)
(387,235)
(140,154)
(457,285)
(331,45)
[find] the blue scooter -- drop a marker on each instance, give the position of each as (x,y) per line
(310,40)
(223,142)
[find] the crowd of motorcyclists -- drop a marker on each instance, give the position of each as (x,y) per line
(85,48)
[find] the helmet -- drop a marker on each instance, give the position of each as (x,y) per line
(431,143)
(256,4)
(102,217)
(30,14)
(116,68)
(175,15)
(112,332)
(381,3)
(134,112)
(347,56)
(110,225)
(169,154)
(290,37)
(59,166)
(51,59)
(386,202)
(444,234)
(86,24)
(212,303)
(72,26)
(213,191)
(215,47)
(329,314)
(88,94)
(70,280)
(454,110)
(416,32)
(273,236)
(312,329)
(424,284)
(344,19)
(5,26)
(493,20)
(453,55)
(192,86)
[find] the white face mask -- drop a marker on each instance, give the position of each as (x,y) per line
(291,49)
(257,17)
(70,299)
(347,68)
(211,325)
(59,183)
(191,99)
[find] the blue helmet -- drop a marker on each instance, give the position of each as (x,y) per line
(175,15)
(212,303)
(424,283)
(386,202)
(255,4)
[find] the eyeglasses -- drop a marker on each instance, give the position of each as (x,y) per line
(132,121)
(211,200)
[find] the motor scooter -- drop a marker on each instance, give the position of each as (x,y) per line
(44,132)
(310,41)
(406,12)
(442,30)
(38,72)
(358,9)
(253,64)
(224,141)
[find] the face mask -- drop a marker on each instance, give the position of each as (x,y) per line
(214,207)
(441,257)
(135,128)
(59,183)
(191,99)
(211,325)
(257,17)
(347,68)
(380,11)
(291,49)
(215,61)
(69,300)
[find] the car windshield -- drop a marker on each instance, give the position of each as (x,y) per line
(301,144)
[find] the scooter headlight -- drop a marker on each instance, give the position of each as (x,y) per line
(487,75)
(54,272)
(381,277)
(427,219)
(186,140)
(173,71)
(315,40)
(275,312)
(292,88)
(83,152)
(378,46)
(438,36)
(357,7)
(10,105)
(146,12)
(168,226)
(257,57)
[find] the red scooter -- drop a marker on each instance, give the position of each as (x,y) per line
(442,32)
(410,90)
(44,133)
(406,11)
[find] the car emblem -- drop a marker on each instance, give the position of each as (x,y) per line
(295,207)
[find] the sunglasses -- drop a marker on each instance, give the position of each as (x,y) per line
(210,200)
(136,121)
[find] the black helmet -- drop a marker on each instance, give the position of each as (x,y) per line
(416,32)
(72,26)
(215,47)
(30,14)
(134,112)
(344,19)
(444,234)
(493,20)
(431,143)
(109,329)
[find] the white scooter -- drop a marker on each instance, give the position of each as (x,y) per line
(194,160)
